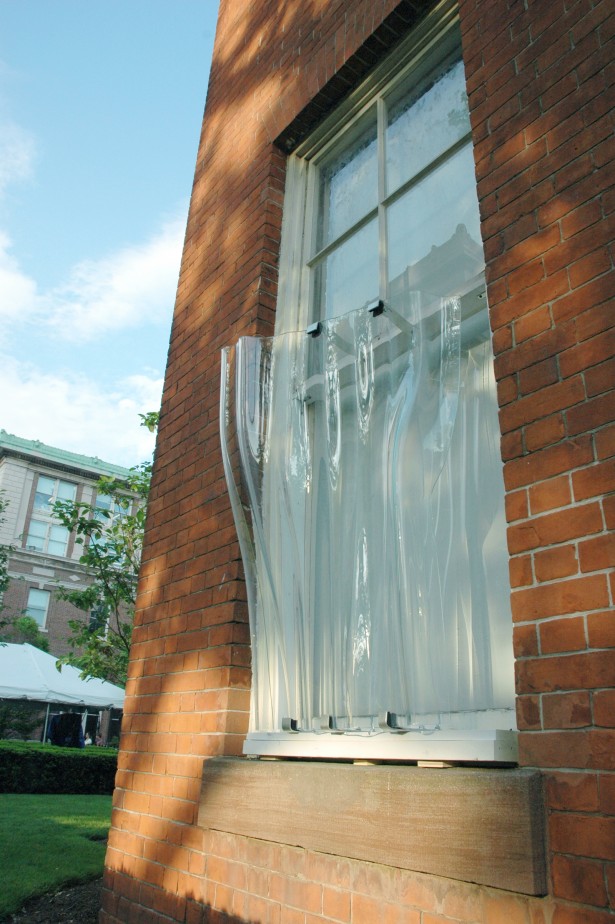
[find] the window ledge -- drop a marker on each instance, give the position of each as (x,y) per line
(485,746)
(477,825)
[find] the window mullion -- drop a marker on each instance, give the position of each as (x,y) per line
(311,230)
(382,217)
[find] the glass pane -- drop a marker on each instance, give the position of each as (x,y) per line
(349,184)
(58,540)
(434,232)
(348,277)
(37,534)
(56,548)
(42,503)
(38,597)
(104,504)
(38,601)
(425,124)
(45,488)
(45,485)
(66,491)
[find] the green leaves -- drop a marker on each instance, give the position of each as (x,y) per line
(26,629)
(110,533)
(4,550)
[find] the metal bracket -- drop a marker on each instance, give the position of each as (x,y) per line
(375,307)
(390,721)
(314,330)
(332,723)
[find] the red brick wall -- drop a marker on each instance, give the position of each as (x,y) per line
(56,630)
(541,93)
(538,80)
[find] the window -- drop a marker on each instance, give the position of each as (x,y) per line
(50,490)
(108,512)
(44,536)
(368,440)
(38,605)
(99,620)
(44,533)
(108,508)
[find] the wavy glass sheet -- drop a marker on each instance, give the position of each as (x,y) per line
(365,477)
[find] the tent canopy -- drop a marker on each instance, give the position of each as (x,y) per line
(31,674)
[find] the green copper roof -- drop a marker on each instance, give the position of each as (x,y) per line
(37,450)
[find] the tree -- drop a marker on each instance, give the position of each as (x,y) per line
(5,551)
(24,629)
(19,719)
(112,539)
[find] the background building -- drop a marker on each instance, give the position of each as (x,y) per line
(200,834)
(33,477)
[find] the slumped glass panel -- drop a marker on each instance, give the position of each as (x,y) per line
(349,184)
(425,124)
(434,232)
(366,484)
(348,277)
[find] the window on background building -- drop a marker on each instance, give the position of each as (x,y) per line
(50,490)
(109,508)
(99,620)
(368,436)
(45,534)
(38,605)
(109,511)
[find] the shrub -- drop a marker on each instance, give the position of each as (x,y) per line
(19,720)
(27,767)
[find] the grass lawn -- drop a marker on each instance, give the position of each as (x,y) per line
(47,841)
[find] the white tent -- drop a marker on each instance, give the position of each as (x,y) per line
(27,673)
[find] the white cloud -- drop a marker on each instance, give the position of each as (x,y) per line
(17,152)
(133,287)
(73,412)
(18,296)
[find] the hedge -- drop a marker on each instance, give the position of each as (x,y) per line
(27,767)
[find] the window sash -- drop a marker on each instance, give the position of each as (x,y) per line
(49,490)
(38,605)
(46,536)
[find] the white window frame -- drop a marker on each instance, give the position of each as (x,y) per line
(44,610)
(43,517)
(54,496)
(48,526)
(439,33)
(109,515)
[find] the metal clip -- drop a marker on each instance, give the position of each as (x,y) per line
(375,307)
(390,721)
(314,330)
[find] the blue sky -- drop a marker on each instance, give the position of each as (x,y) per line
(100,113)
